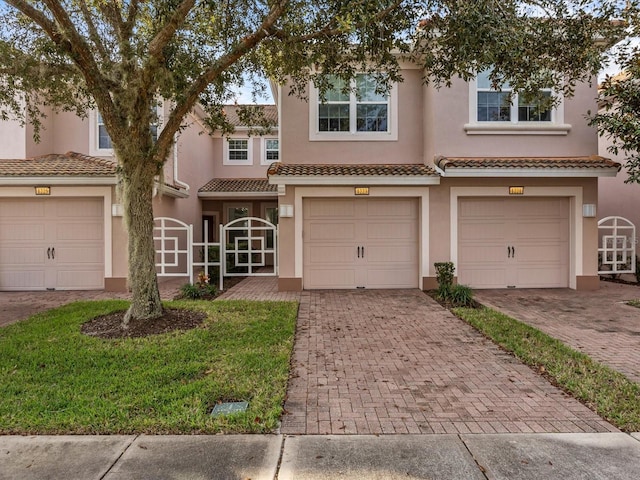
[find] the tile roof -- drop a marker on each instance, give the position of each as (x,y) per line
(326,170)
(238,185)
(70,164)
(592,162)
(270,114)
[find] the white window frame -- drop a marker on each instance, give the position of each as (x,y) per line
(228,206)
(225,158)
(555,126)
(353,135)
(94,124)
(264,160)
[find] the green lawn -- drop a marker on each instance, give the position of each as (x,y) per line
(609,393)
(54,379)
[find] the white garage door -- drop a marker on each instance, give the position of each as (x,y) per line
(513,242)
(361,243)
(52,243)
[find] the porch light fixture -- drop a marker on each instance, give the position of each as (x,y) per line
(362,190)
(285,211)
(589,210)
(516,190)
(43,190)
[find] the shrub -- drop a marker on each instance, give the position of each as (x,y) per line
(201,289)
(444,274)
(461,296)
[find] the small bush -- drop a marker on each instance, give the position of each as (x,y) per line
(444,274)
(461,296)
(201,289)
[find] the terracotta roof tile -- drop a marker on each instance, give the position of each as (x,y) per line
(270,114)
(400,170)
(70,164)
(592,162)
(238,185)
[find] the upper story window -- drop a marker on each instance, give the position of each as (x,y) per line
(354,112)
(270,150)
(238,151)
(100,141)
(500,110)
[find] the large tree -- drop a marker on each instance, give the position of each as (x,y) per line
(121,56)
(618,117)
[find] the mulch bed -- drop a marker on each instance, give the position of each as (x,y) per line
(110,326)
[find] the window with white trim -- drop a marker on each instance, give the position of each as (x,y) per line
(270,150)
(100,141)
(500,110)
(357,112)
(502,105)
(238,151)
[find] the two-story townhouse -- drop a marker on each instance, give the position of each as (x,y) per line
(61,224)
(379,187)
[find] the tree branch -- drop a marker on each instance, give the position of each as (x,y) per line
(47,25)
(197,87)
(93,32)
(166,33)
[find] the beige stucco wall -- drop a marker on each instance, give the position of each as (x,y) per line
(617,198)
(12,139)
(255,170)
(448,111)
(297,148)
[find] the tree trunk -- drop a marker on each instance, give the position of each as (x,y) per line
(143,281)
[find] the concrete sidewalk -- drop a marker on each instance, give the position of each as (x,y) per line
(563,456)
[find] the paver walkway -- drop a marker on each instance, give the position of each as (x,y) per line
(597,323)
(15,306)
(394,361)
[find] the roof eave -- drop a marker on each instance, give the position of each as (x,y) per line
(531,172)
(236,194)
(354,180)
(56,180)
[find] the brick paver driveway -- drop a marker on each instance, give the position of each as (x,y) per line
(394,361)
(598,323)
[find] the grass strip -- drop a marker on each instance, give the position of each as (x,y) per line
(607,392)
(56,380)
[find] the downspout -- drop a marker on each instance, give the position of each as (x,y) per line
(175,164)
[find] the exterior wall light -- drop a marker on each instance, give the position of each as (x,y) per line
(361,190)
(589,210)
(43,190)
(285,211)
(516,190)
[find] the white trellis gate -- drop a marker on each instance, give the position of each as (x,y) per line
(247,247)
(617,247)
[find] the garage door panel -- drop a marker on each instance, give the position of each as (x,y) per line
(391,231)
(334,231)
(78,231)
(29,228)
(330,254)
(335,208)
(390,277)
(76,278)
(325,278)
(22,279)
(373,245)
(20,232)
(12,208)
(521,242)
(482,230)
(22,256)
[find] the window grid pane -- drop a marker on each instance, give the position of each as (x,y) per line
(494,107)
(333,118)
(372,118)
(238,149)
(533,111)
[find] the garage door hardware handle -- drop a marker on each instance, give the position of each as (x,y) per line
(508,252)
(49,253)
(358,252)
(511,252)
(362,252)
(53,253)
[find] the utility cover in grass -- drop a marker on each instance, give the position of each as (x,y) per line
(229,408)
